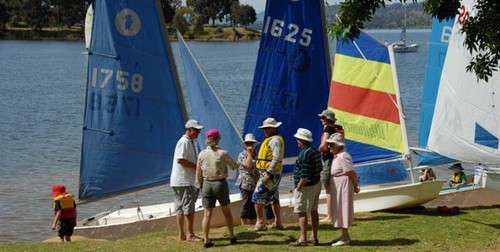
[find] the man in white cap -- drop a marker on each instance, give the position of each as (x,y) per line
(269,163)
(182,180)
(306,178)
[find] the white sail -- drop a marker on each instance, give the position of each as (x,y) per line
(89,19)
(466,123)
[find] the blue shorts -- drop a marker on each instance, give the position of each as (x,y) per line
(267,193)
(65,227)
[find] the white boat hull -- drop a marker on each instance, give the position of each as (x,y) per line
(161,217)
(392,197)
(403,48)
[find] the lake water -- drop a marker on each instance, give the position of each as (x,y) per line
(42,93)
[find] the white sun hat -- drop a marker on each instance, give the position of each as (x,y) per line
(270,123)
(337,139)
(303,134)
(250,138)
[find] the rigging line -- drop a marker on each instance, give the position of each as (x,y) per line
(210,86)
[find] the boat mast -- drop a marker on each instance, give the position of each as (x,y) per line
(402,118)
(326,41)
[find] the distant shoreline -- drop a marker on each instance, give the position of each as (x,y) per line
(77,34)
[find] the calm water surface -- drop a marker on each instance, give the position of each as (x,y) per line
(42,86)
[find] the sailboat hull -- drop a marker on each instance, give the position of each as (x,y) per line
(392,197)
(160,218)
(403,48)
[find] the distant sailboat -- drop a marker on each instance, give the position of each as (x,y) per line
(89,17)
(402,46)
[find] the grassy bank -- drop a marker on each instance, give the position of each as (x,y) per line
(77,34)
(474,229)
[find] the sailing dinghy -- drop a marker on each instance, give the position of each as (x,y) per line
(460,118)
(365,97)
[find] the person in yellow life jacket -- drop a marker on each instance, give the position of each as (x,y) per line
(269,163)
(458,178)
(64,211)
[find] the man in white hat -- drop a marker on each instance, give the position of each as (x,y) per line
(306,178)
(269,163)
(182,179)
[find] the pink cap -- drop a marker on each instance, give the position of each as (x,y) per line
(213,134)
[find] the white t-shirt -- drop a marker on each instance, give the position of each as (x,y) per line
(183,176)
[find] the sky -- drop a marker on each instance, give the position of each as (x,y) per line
(258,5)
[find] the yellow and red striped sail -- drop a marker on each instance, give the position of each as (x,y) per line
(364,95)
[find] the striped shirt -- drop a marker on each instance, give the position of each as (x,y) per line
(308,165)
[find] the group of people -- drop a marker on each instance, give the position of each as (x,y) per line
(259,178)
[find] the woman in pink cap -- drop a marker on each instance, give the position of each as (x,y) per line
(211,174)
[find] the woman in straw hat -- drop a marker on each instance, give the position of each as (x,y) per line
(344,184)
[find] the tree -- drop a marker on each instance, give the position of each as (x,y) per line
(483,30)
(211,9)
(4,14)
(247,15)
(179,20)
(169,7)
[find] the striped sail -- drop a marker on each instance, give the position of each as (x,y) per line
(364,94)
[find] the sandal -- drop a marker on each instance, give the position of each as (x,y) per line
(277,227)
(208,244)
(259,228)
(314,242)
(298,243)
(233,240)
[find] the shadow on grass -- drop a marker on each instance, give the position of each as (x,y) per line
(376,243)
(496,226)
(381,218)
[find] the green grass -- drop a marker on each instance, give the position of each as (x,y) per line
(474,229)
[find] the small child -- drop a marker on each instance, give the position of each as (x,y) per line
(426,175)
(459,178)
(65,212)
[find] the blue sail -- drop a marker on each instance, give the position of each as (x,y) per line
(441,32)
(133,113)
(206,107)
(291,79)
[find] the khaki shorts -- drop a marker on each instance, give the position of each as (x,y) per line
(185,199)
(213,191)
(306,200)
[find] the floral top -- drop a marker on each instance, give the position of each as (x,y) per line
(213,163)
(247,178)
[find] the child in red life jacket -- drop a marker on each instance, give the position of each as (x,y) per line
(65,212)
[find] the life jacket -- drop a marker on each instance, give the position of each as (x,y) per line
(68,207)
(265,156)
(457,178)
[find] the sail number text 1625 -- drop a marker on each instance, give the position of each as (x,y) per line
(291,32)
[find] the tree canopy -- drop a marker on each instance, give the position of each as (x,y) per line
(482,30)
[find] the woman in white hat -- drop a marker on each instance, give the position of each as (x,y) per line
(247,179)
(344,184)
